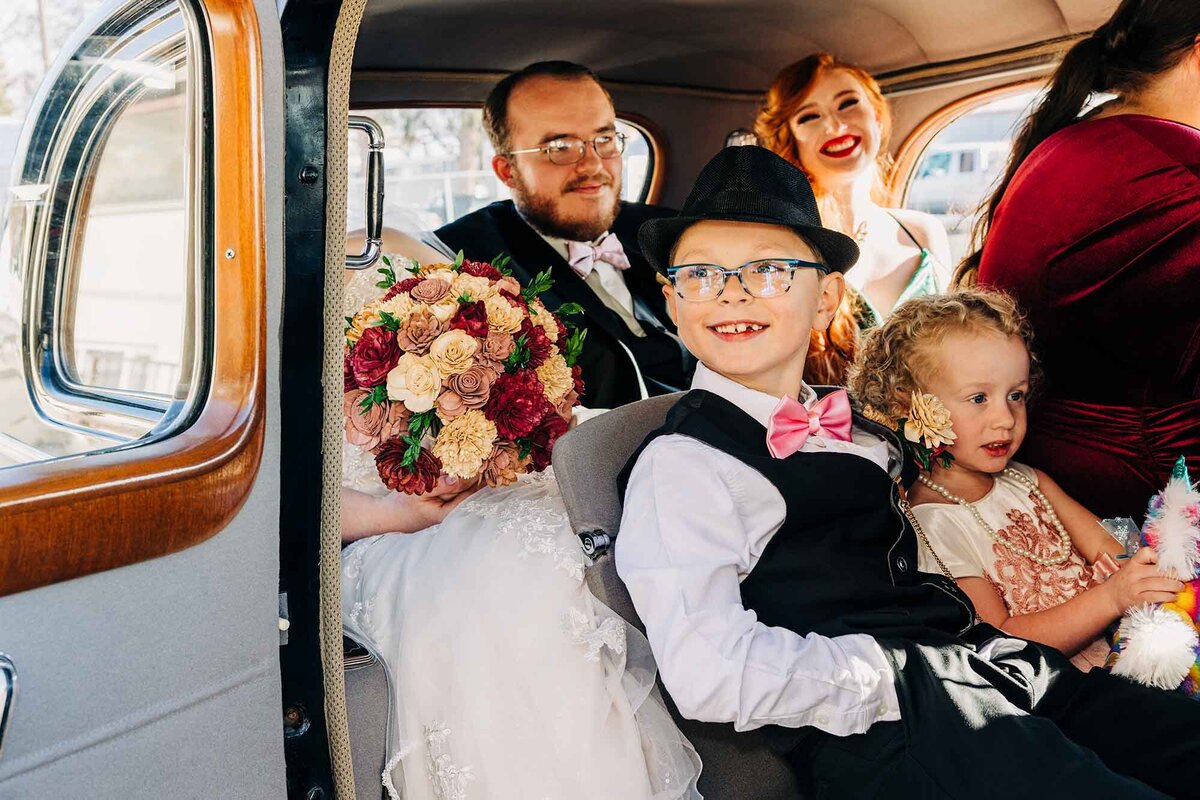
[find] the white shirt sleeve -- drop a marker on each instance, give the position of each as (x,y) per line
(695,520)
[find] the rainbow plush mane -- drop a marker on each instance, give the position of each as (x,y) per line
(1158,645)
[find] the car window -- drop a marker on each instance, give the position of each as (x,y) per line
(962,163)
(101,295)
(437,164)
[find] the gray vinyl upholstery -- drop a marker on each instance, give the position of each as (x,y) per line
(367,708)
(586,464)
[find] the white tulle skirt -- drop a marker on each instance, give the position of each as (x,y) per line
(510,680)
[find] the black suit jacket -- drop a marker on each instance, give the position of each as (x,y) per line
(608,372)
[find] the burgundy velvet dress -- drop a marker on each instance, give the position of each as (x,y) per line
(1098,238)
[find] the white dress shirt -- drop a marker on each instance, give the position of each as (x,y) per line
(696,520)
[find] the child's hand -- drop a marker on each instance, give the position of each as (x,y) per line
(1138,582)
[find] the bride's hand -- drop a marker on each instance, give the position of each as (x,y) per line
(366,515)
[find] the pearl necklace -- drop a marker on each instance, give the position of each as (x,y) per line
(1064,538)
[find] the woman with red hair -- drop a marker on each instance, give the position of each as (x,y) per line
(830,119)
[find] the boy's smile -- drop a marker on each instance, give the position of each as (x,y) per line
(760,342)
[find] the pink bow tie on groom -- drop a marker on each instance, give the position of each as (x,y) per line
(791,423)
(582,256)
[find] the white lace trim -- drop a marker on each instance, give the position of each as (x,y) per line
(534,518)
(448,779)
(581,629)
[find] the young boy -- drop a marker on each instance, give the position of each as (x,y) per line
(766,546)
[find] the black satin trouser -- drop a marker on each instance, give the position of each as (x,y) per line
(1027,725)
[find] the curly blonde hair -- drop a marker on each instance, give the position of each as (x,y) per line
(898,357)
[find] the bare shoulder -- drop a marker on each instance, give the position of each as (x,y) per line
(925,227)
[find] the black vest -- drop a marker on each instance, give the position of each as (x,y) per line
(845,559)
(608,373)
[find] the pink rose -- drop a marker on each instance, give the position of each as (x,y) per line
(450,405)
(363,426)
(474,386)
(419,331)
(429,291)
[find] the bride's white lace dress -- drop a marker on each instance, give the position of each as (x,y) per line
(509,680)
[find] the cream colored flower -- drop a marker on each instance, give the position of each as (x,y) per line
(453,352)
(367,317)
(509,284)
(556,377)
(503,316)
(415,382)
(928,421)
(542,317)
(465,443)
(473,286)
(399,306)
(439,272)
(446,308)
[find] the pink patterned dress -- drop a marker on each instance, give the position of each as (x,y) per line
(1018,516)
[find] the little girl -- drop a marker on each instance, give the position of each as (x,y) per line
(953,371)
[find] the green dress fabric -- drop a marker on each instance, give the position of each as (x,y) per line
(923,281)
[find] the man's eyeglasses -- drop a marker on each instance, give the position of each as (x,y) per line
(765,277)
(570,150)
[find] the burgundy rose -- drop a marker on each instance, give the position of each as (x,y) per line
(561,338)
(538,343)
(420,478)
(430,290)
(515,300)
(543,439)
(481,270)
(474,386)
(472,318)
(518,403)
(577,374)
(374,356)
(348,382)
(405,285)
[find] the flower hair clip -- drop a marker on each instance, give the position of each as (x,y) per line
(926,427)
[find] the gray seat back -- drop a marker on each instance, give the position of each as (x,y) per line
(586,464)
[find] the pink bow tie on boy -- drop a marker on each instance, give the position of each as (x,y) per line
(582,256)
(791,423)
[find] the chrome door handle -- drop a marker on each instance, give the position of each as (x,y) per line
(373,247)
(8,693)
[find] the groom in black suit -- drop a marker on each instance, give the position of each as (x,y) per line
(557,148)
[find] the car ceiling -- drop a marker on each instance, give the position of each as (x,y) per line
(729,45)
(693,70)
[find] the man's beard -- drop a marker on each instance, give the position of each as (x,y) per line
(541,211)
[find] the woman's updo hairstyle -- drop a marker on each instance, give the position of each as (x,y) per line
(1142,39)
(899,357)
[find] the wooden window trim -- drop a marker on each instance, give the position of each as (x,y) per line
(908,155)
(80,515)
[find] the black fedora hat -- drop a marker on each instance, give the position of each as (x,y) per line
(749,184)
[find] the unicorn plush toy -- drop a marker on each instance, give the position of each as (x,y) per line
(1157,645)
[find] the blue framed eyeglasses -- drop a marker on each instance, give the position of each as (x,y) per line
(764,277)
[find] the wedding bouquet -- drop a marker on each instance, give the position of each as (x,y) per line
(455,370)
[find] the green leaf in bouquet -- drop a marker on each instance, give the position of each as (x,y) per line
(520,355)
(541,283)
(574,346)
(388,320)
(377,395)
(501,262)
(458,262)
(524,446)
(349,324)
(411,453)
(388,273)
(415,269)
(464,299)
(568,309)
(420,424)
